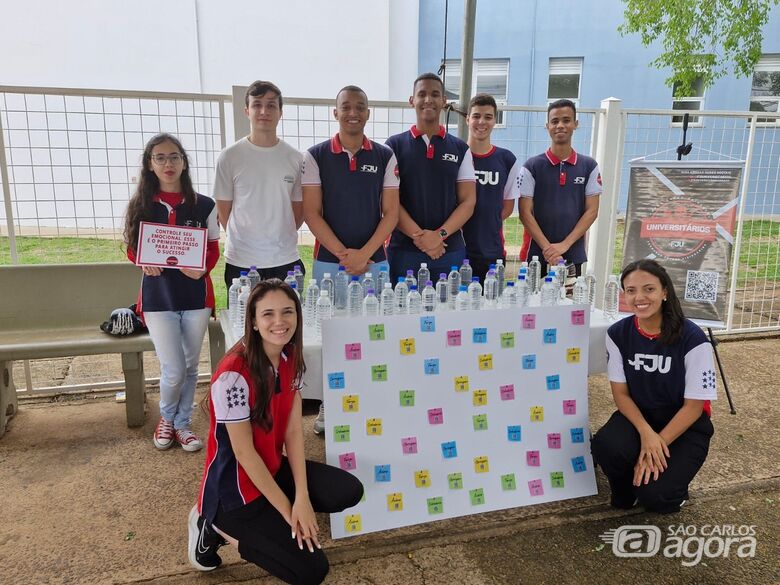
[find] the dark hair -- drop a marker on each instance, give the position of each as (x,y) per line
(483,99)
(431,76)
(139,208)
(353,88)
(259,88)
(672,316)
(258,362)
(563,103)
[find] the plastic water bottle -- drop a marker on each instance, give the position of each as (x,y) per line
(414,301)
(500,270)
(387,300)
(475,293)
(401,293)
(294,286)
(611,297)
(429,298)
(370,304)
(298,274)
(367,282)
(253,276)
(466,271)
(341,284)
(423,275)
(244,280)
(590,280)
(534,274)
(323,313)
(523,291)
(453,282)
(327,284)
(491,289)
(410,279)
(290,278)
(462,300)
(381,279)
(233,291)
(354,297)
(524,264)
(243,298)
(580,292)
(549,292)
(442,291)
(310,304)
(509,296)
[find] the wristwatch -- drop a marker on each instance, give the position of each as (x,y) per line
(443,233)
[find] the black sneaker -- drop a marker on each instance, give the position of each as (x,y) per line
(203,543)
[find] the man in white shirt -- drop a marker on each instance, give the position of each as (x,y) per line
(258,192)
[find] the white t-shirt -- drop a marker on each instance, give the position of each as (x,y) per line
(262,182)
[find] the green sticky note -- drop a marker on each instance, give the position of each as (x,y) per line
(379,373)
(480,422)
(508,482)
(435,505)
(376,332)
(455,480)
(477,496)
(556,479)
(507,340)
(341,433)
(406,397)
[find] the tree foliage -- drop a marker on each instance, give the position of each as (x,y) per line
(704,39)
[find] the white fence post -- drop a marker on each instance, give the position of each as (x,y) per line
(9,213)
(609,154)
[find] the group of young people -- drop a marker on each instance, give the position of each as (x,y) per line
(438,200)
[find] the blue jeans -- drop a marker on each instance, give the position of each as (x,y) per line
(319,269)
(403,260)
(178,337)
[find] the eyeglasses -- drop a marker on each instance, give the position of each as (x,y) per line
(175,159)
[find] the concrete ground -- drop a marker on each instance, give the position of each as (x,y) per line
(84,499)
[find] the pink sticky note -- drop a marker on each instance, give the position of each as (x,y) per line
(578,317)
(352,351)
(535,487)
(529,321)
(507,392)
(453,337)
(409,445)
(347,461)
(554,440)
(532,458)
(435,416)
(569,407)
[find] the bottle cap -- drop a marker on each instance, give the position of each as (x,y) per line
(428,283)
(475,279)
(413,287)
(463,288)
(370,291)
(355,279)
(326,275)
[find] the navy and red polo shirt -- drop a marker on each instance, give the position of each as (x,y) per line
(430,171)
(498,179)
(559,189)
(352,186)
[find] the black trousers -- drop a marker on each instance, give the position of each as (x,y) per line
(616,446)
(279,272)
(480,267)
(264,535)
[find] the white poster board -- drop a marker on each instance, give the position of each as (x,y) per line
(171,246)
(457,413)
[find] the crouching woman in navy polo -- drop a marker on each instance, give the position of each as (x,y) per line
(661,372)
(252,495)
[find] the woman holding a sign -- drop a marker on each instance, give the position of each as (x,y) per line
(172,233)
(258,491)
(662,376)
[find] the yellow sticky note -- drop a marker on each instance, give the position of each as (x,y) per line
(537,413)
(374,426)
(479,397)
(395,502)
(422,478)
(407,346)
(350,403)
(462,384)
(481,464)
(485,361)
(573,355)
(353,523)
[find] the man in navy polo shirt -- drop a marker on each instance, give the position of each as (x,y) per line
(498,184)
(437,191)
(350,193)
(559,193)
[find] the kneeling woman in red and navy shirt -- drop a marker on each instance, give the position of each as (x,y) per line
(252,495)
(662,376)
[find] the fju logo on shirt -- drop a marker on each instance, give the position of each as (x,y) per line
(449,157)
(579,180)
(488,177)
(369,168)
(651,363)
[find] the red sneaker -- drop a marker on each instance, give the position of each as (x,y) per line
(188,440)
(163,434)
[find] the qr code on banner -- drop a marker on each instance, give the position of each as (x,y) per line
(701,286)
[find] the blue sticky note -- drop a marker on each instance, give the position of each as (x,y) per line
(431,367)
(554,382)
(479,335)
(529,362)
(550,335)
(428,324)
(449,450)
(577,435)
(578,463)
(336,380)
(513,433)
(382,473)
